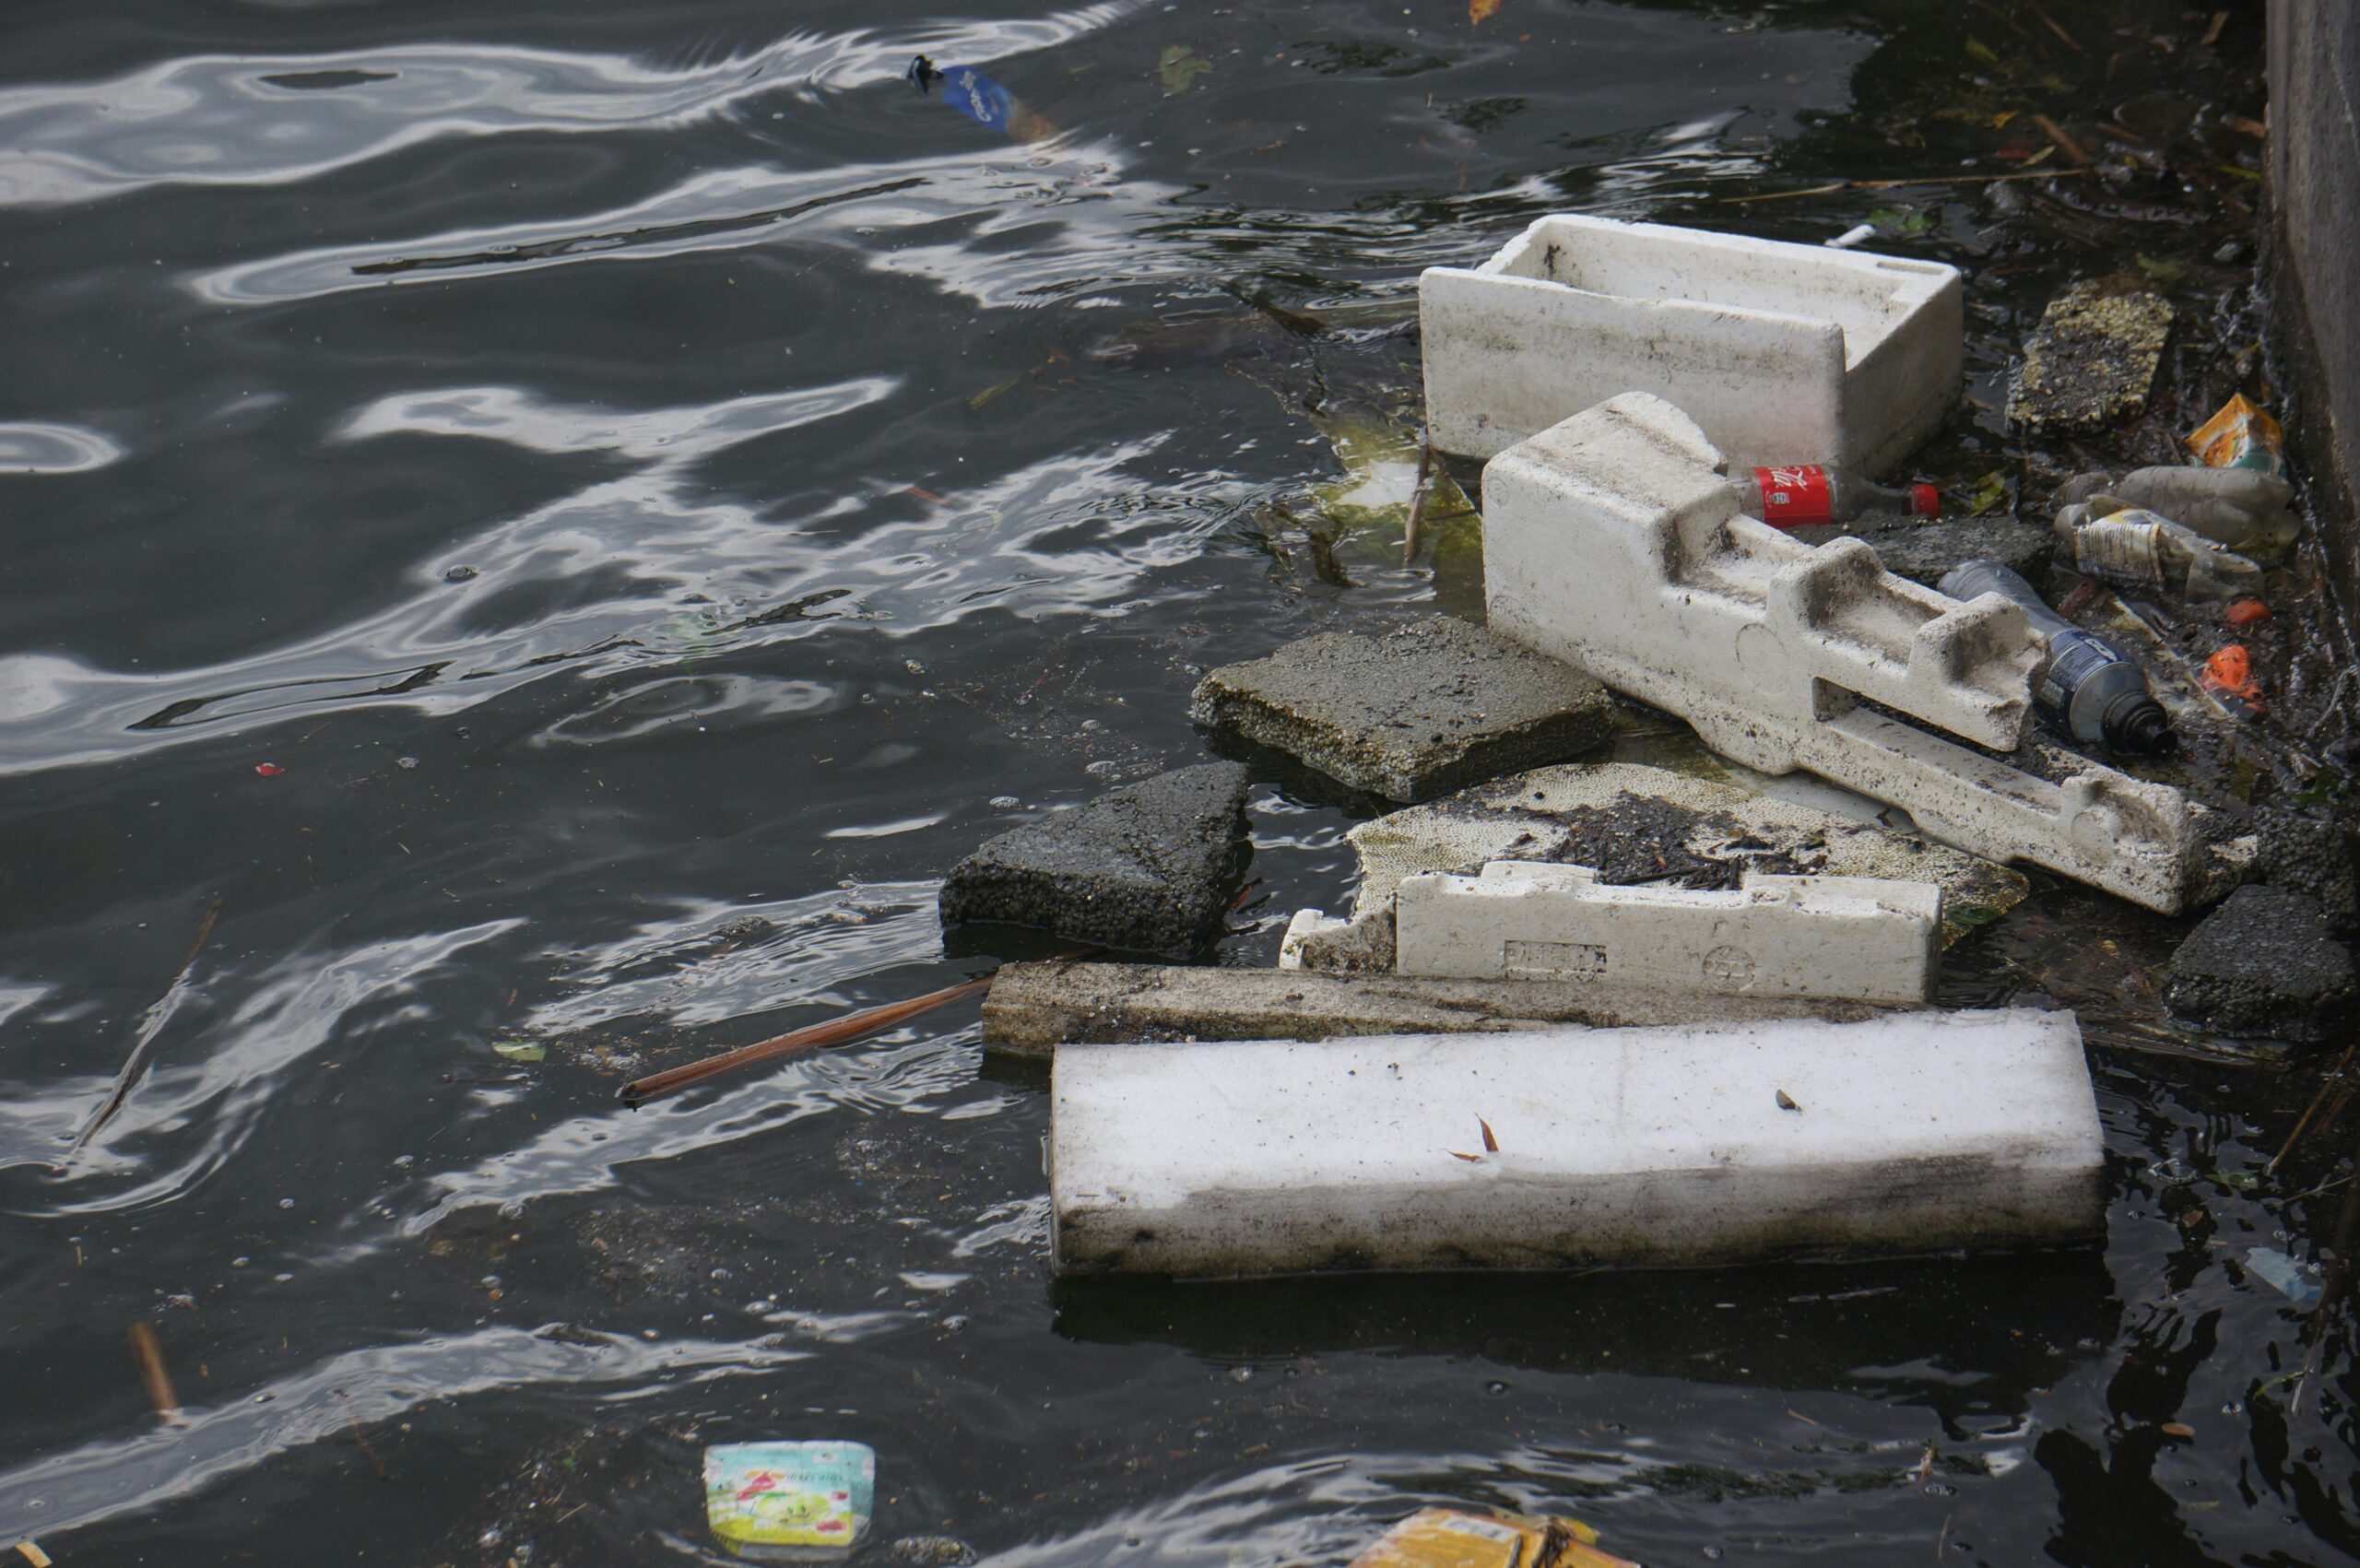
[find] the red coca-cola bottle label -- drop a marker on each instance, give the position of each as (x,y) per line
(1793,497)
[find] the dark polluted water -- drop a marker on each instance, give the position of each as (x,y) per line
(534,535)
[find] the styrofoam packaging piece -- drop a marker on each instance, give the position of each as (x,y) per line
(1861,939)
(1913,1132)
(1611,541)
(1783,353)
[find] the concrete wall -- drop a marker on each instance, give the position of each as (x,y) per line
(2314,255)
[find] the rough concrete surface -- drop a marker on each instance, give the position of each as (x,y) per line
(1144,868)
(2091,361)
(2309,855)
(1031,1007)
(2262,963)
(1409,714)
(1925,552)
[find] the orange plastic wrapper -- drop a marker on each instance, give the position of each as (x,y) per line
(2246,612)
(1444,1538)
(2228,675)
(2241,436)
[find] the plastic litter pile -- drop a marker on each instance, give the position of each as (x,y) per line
(1587,1013)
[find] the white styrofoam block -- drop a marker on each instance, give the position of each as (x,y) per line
(1861,939)
(1913,1132)
(1610,541)
(1783,353)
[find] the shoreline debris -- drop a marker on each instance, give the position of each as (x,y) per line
(1409,715)
(1146,868)
(151,1024)
(1927,1131)
(832,1032)
(790,1500)
(1445,1538)
(153,1375)
(1849,359)
(1782,656)
(2091,361)
(1856,938)
(1034,1008)
(2263,963)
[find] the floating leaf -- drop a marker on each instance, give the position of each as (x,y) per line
(1787,1102)
(991,392)
(1491,1144)
(1901,220)
(2177,1429)
(1180,66)
(2163,269)
(2237,1181)
(1988,492)
(1480,10)
(1981,51)
(519,1050)
(2000,120)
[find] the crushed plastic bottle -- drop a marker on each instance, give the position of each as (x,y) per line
(1796,495)
(2245,509)
(2145,550)
(2089,688)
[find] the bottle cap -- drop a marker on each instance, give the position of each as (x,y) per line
(1924,500)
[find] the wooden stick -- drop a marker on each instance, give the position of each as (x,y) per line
(2332,1079)
(835,1031)
(2050,23)
(2339,1281)
(150,1027)
(2063,143)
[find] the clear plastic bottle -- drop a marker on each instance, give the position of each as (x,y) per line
(2146,550)
(1795,494)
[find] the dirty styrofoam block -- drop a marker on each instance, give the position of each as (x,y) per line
(1914,1132)
(2091,361)
(1147,867)
(1612,541)
(2263,963)
(1033,1008)
(1635,824)
(1864,938)
(1783,353)
(1414,712)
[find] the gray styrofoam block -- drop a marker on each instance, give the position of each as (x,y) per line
(1783,353)
(1911,1132)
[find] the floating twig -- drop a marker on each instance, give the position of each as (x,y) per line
(2331,1081)
(834,1032)
(362,1438)
(151,1026)
(150,1356)
(2050,23)
(2063,143)
(1418,498)
(1897,185)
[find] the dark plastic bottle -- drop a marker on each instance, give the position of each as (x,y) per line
(2090,689)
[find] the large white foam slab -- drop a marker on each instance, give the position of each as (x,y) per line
(1911,1133)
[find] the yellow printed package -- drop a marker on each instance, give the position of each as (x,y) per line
(1444,1538)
